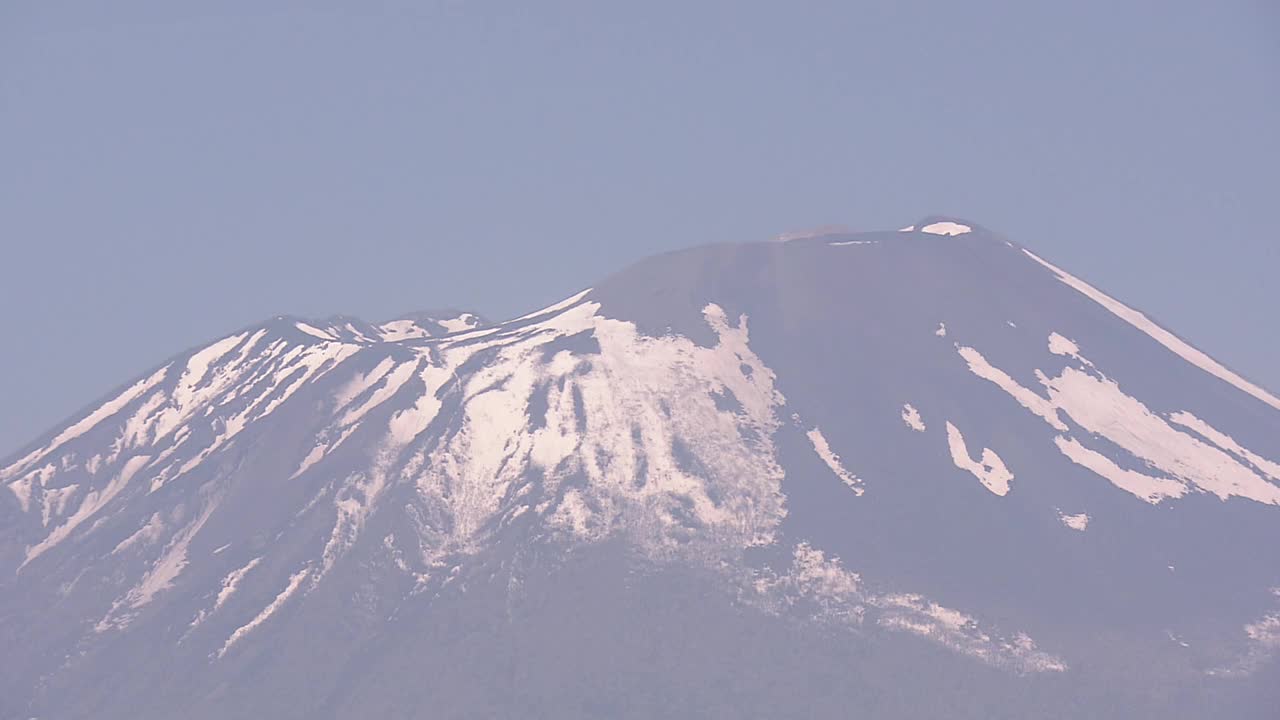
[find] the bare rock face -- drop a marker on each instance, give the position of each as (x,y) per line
(916,473)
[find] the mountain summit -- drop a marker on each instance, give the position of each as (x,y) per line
(898,474)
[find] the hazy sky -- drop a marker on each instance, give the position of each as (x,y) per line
(172,171)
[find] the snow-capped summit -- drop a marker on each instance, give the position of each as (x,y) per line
(942,225)
(926,472)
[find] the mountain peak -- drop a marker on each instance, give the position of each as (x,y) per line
(943,460)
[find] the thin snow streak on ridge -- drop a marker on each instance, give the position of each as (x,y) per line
(229,585)
(295,581)
(1159,334)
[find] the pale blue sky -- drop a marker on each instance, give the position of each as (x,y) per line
(172,171)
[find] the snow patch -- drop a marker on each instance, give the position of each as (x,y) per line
(832,460)
(1226,442)
(990,471)
(835,595)
(465,321)
(1262,645)
(295,581)
(356,386)
(1079,521)
(314,331)
(1059,345)
(406,425)
(53,502)
(21,489)
(912,418)
(145,535)
(979,366)
(1145,487)
(315,455)
(228,588)
(391,383)
(398,330)
(946,227)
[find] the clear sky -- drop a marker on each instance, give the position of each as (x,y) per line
(171,171)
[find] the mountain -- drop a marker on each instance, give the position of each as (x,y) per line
(916,473)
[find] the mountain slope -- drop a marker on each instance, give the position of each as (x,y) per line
(923,469)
